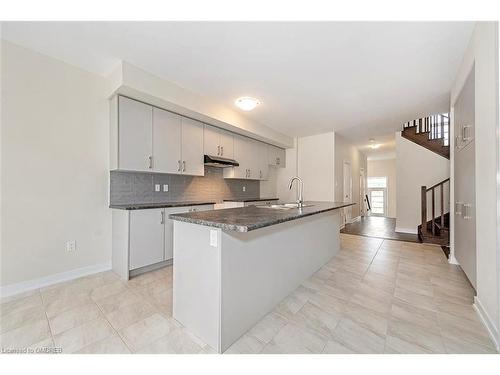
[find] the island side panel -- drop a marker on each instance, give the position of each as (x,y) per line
(196,281)
(260,268)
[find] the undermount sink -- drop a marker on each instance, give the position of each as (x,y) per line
(284,206)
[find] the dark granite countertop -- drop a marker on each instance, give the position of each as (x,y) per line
(144,206)
(246,219)
(251,200)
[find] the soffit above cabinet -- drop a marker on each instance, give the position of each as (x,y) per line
(132,82)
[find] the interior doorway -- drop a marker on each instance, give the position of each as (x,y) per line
(377,193)
(347,191)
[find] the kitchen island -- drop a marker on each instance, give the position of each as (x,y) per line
(233,266)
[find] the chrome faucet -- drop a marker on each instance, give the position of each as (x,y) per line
(300,201)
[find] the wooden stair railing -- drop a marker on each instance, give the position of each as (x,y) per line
(432,189)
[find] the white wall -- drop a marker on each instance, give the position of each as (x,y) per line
(415,167)
(54,167)
(345,151)
(386,168)
(483,52)
(315,164)
(312,159)
(283,176)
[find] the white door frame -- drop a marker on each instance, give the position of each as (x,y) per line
(347,198)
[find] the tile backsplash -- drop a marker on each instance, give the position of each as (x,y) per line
(138,187)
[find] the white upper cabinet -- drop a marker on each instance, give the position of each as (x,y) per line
(192,147)
(276,156)
(263,161)
(226,144)
(252,157)
(166,141)
(241,155)
(149,139)
(218,142)
(134,135)
(211,144)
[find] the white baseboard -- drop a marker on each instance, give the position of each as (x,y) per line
(453,260)
(353,220)
(24,286)
(406,230)
(488,323)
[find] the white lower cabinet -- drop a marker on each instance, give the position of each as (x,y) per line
(143,238)
(147,235)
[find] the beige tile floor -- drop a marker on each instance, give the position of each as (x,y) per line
(375,296)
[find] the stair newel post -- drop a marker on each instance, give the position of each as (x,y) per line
(423,198)
(442,206)
(433,212)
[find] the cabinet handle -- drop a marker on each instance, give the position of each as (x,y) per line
(162,221)
(467,213)
(150,159)
(184,166)
(178,165)
(466,133)
(458,208)
(221,150)
(277,161)
(218,150)
(260,174)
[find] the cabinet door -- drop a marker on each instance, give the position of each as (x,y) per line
(226,144)
(254,160)
(211,141)
(134,135)
(272,154)
(169,230)
(192,147)
(263,166)
(241,156)
(166,141)
(146,237)
(280,157)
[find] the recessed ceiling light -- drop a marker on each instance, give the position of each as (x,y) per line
(246,103)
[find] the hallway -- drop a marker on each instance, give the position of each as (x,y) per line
(379,227)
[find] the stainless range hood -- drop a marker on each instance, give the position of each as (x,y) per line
(217,161)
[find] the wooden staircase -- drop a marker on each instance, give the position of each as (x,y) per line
(436,230)
(431,132)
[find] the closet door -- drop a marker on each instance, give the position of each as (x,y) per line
(464,168)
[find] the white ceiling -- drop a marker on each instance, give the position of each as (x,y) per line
(362,79)
(386,149)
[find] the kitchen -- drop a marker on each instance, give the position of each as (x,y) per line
(180,187)
(146,235)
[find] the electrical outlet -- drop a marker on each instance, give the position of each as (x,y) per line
(244,188)
(165,188)
(71,245)
(157,187)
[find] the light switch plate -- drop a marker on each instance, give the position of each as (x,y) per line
(157,187)
(165,188)
(213,238)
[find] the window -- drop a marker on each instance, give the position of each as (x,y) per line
(377,182)
(377,190)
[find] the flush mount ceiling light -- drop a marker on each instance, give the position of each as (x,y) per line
(373,146)
(246,103)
